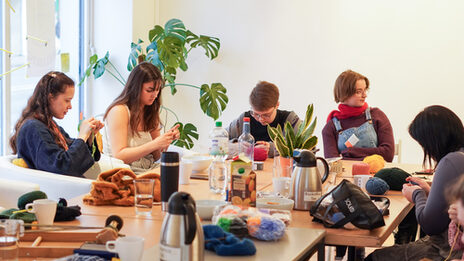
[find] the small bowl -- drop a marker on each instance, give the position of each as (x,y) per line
(200,162)
(205,207)
(275,203)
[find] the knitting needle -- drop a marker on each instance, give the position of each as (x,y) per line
(37,241)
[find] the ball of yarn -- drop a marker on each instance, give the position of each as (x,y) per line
(360,168)
(377,186)
(270,229)
(376,162)
(395,177)
(30,197)
(260,154)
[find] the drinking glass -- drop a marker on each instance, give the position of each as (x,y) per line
(143,196)
(10,231)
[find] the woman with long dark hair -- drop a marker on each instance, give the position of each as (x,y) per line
(133,121)
(41,142)
(440,133)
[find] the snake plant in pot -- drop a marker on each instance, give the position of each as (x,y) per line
(287,140)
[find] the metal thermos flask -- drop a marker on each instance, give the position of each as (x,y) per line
(169,176)
(306,185)
(181,233)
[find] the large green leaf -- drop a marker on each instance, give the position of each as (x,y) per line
(210,44)
(308,115)
(170,51)
(289,133)
(156,33)
(92,60)
(188,132)
(310,143)
(153,56)
(99,67)
(213,101)
(272,132)
(281,147)
(136,51)
(175,28)
(310,130)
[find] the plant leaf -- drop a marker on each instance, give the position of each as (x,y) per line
(156,33)
(92,60)
(170,51)
(282,147)
(209,43)
(309,115)
(310,130)
(99,67)
(188,132)
(272,132)
(213,101)
(310,143)
(153,56)
(175,28)
(136,51)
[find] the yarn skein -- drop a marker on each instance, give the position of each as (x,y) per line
(377,186)
(395,177)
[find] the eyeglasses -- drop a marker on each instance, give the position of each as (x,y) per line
(361,92)
(263,116)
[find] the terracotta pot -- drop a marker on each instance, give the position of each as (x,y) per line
(286,164)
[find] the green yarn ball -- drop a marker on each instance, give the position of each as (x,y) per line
(25,216)
(5,214)
(224,223)
(30,197)
(395,177)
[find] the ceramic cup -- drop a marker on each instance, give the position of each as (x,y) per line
(185,170)
(361,180)
(44,210)
(129,248)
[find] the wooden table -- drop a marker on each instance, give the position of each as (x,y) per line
(149,227)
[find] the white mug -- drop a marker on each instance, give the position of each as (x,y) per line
(44,210)
(185,170)
(361,180)
(129,248)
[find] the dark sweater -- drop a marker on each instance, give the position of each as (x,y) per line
(37,146)
(432,210)
(382,126)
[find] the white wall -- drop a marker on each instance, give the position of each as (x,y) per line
(411,51)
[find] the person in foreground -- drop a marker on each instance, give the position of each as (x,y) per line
(441,135)
(41,142)
(456,214)
(355,130)
(264,101)
(133,121)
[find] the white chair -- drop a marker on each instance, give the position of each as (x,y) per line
(11,190)
(398,151)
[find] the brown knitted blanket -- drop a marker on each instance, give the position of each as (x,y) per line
(116,187)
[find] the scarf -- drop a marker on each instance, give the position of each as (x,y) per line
(346,112)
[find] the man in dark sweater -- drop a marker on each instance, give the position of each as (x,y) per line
(264,101)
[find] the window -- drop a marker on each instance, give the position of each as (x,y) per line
(67,32)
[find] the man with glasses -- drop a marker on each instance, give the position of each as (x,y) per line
(264,101)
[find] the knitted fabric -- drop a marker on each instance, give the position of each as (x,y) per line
(395,177)
(116,187)
(360,168)
(226,244)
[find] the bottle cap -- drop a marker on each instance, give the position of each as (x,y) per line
(169,157)
(246,119)
(218,123)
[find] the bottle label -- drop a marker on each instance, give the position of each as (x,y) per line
(169,253)
(311,196)
(219,146)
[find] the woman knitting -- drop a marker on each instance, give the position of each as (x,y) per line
(441,135)
(356,130)
(41,142)
(456,214)
(133,122)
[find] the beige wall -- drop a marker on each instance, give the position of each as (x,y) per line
(411,51)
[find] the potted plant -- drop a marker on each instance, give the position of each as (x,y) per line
(286,141)
(168,50)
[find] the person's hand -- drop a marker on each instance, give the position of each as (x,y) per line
(86,128)
(164,140)
(175,132)
(421,183)
(97,125)
(453,213)
(264,145)
(408,189)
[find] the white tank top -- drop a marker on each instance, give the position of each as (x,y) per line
(133,140)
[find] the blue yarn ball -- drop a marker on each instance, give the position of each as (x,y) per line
(377,186)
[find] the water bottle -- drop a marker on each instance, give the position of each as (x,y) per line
(246,142)
(217,172)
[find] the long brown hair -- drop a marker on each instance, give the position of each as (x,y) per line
(143,73)
(52,83)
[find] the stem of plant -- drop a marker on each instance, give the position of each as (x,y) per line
(182,84)
(112,65)
(112,74)
(171,111)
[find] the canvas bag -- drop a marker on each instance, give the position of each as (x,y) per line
(347,203)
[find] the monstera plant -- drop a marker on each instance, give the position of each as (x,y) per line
(287,140)
(168,50)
